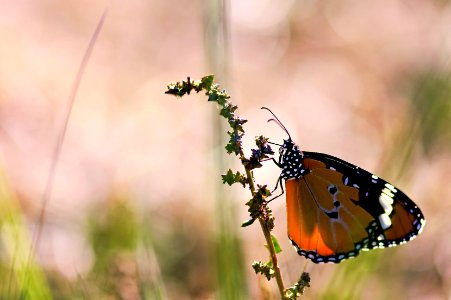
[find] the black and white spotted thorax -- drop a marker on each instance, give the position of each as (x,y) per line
(290,160)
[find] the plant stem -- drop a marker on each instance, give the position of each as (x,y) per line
(257,205)
(268,238)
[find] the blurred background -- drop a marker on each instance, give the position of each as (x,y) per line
(137,210)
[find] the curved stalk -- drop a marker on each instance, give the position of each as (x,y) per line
(267,233)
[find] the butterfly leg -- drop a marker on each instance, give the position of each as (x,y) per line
(280,178)
(276,162)
(277,185)
(281,187)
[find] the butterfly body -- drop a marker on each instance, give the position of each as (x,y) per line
(336,209)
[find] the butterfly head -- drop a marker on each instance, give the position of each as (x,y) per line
(290,157)
(286,149)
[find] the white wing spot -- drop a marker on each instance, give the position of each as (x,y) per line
(386,202)
(388,192)
(385,221)
(391,187)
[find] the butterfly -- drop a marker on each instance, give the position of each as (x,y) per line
(335,209)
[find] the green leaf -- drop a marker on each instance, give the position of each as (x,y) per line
(247,222)
(264,269)
(276,244)
(251,163)
(212,96)
(234,145)
(231,178)
(228,178)
(258,207)
(298,288)
(237,124)
(179,89)
(263,190)
(207,81)
(228,110)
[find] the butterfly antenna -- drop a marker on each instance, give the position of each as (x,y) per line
(277,121)
(275,144)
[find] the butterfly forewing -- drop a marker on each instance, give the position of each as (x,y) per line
(337,209)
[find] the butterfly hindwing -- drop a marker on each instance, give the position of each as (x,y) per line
(337,209)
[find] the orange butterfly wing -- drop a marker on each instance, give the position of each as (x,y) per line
(337,209)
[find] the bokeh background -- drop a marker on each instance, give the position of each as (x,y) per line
(137,210)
